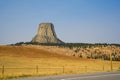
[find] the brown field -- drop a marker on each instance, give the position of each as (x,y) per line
(27,60)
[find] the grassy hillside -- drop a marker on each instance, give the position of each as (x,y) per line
(83,50)
(34,60)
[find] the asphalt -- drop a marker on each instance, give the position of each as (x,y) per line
(89,76)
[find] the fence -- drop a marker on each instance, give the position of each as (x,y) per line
(6,72)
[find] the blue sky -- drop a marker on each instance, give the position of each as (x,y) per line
(84,21)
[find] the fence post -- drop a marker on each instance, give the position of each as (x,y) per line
(63,69)
(86,69)
(3,70)
(111,65)
(37,69)
(103,68)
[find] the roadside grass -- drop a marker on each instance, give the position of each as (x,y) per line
(119,69)
(20,61)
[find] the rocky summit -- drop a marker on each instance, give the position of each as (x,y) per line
(46,34)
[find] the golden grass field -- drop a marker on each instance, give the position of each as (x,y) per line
(27,60)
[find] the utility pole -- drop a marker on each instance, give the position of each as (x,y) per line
(111,62)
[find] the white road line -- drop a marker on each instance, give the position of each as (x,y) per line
(89,77)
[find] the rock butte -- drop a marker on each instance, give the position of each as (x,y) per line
(46,34)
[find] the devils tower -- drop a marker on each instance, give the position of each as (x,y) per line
(46,34)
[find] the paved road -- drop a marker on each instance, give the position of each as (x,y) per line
(91,76)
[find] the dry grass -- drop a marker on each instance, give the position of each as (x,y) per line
(22,60)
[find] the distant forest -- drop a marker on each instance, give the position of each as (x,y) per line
(69,45)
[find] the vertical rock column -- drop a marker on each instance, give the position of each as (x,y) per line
(46,34)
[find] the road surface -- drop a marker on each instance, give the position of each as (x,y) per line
(90,76)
